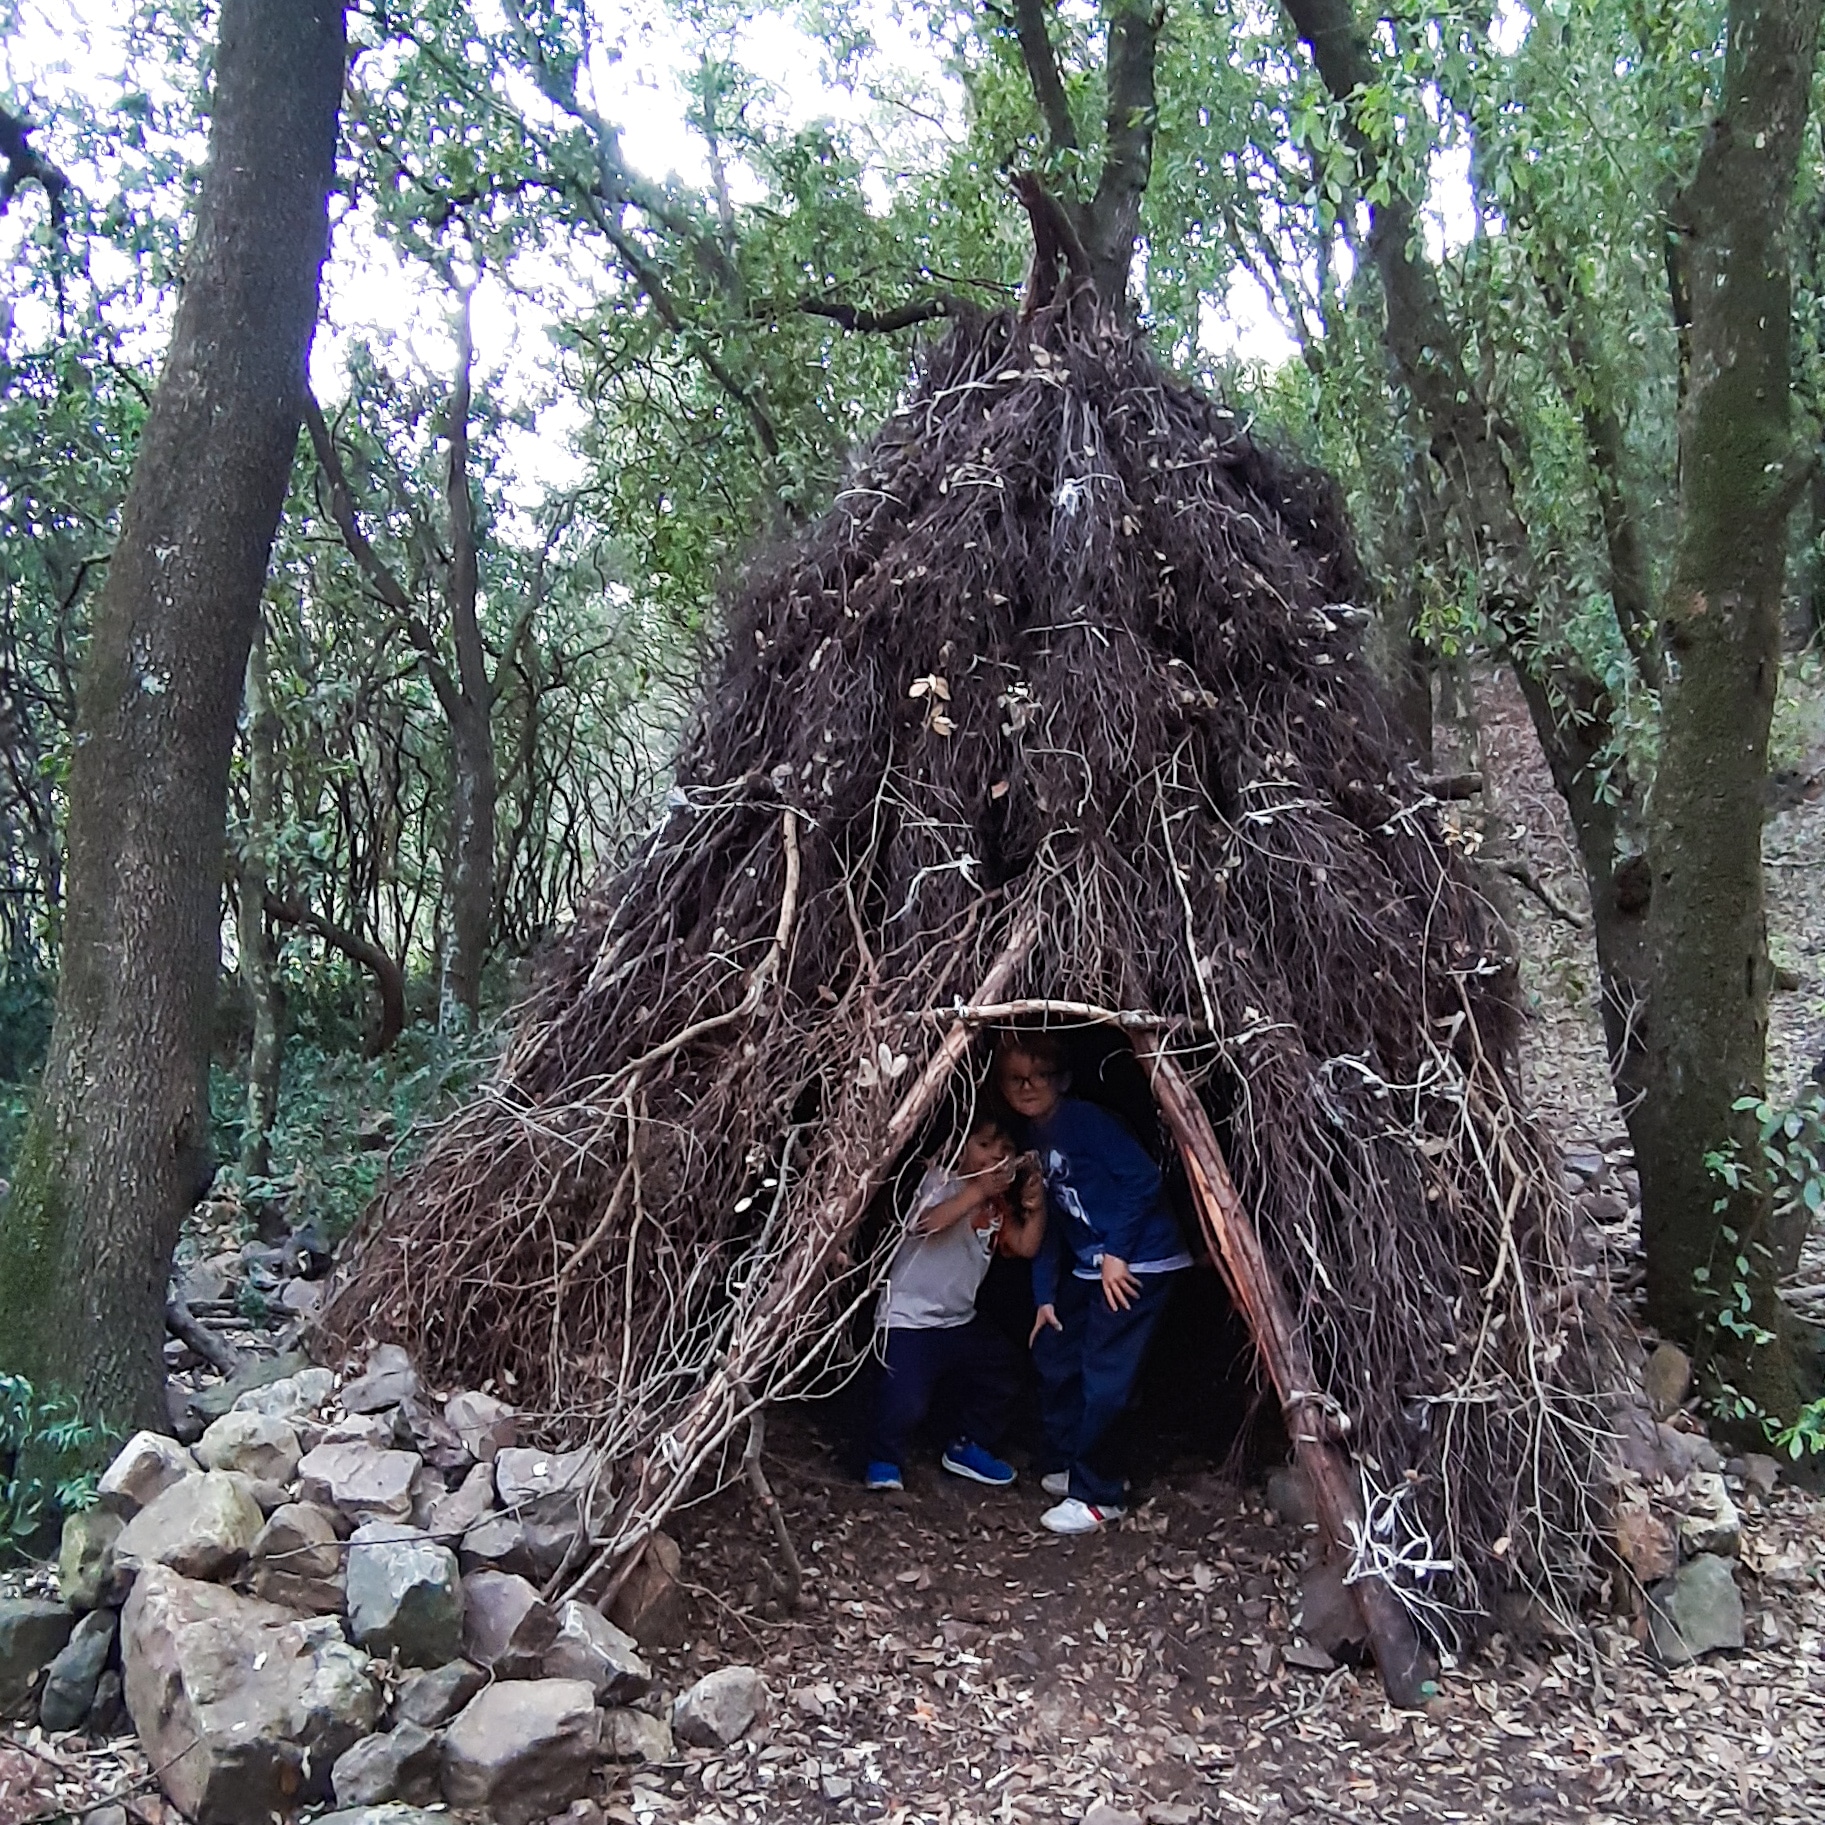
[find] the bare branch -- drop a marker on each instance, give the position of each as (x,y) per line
(1030,27)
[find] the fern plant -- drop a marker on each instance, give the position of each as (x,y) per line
(48,1462)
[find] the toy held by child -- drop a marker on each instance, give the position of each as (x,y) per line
(927,1330)
(1099,1285)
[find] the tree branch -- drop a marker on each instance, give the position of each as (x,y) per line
(25,165)
(1114,216)
(1036,52)
(389,979)
(856,318)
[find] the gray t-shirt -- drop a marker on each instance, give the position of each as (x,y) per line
(932,1283)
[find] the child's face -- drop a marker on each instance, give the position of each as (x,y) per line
(1028,1085)
(983,1152)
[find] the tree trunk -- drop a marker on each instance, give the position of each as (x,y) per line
(1720,626)
(259,973)
(117,1148)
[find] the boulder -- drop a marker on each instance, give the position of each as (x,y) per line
(650,1605)
(265,1496)
(1709,1522)
(297,1560)
(405,1595)
(1646,1542)
(636,1736)
(108,1712)
(403,1764)
(376,1429)
(1760,1473)
(365,1482)
(85,1559)
(388,1379)
(721,1708)
(435,1695)
(1328,1616)
(258,1445)
(1289,1495)
(498,1543)
(432,1436)
(146,1466)
(1696,1611)
(201,1528)
(523,1750)
(453,1513)
(293,1398)
(301,1298)
(485,1425)
(32,1634)
(523,1477)
(1667,1379)
(262,1372)
(241,1707)
(590,1647)
(69,1686)
(1683,1452)
(507,1626)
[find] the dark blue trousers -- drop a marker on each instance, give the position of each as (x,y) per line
(1087,1372)
(977,1362)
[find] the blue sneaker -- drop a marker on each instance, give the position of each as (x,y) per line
(883,1476)
(967,1458)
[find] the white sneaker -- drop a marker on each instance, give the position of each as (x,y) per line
(1056,1482)
(1074,1517)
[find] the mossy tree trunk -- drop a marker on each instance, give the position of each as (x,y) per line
(1740,475)
(117,1147)
(259,965)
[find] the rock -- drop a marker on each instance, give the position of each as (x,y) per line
(32,1634)
(376,1429)
(107,1815)
(1760,1473)
(485,1425)
(1289,1495)
(650,1604)
(636,1736)
(582,1812)
(69,1686)
(453,1513)
(507,1626)
(1584,1160)
(302,1298)
(1696,1611)
(720,1708)
(85,1559)
(522,1478)
(837,1786)
(204,1282)
(590,1647)
(388,1379)
(201,1528)
(1603,1207)
(1667,1379)
(108,1711)
(297,1560)
(241,1707)
(308,1252)
(263,1372)
(432,1436)
(265,1496)
(405,1595)
(258,1445)
(1646,1542)
(1684,1452)
(391,1814)
(365,1482)
(403,1764)
(522,1750)
(1710,1522)
(498,1543)
(143,1469)
(1328,1616)
(434,1696)
(292,1397)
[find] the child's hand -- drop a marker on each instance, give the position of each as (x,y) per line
(1045,1317)
(1032,1195)
(997,1179)
(1120,1288)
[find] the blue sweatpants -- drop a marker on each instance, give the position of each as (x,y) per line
(979,1362)
(1087,1373)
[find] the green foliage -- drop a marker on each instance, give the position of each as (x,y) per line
(49,1458)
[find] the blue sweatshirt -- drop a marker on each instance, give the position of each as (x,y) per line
(1104,1195)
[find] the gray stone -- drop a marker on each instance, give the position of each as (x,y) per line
(523,1477)
(108,1711)
(650,1604)
(146,1466)
(302,1298)
(721,1708)
(1685,1452)
(405,1595)
(1696,1611)
(366,1483)
(263,1372)
(453,1513)
(242,1708)
(265,1496)
(258,1445)
(498,1543)
(107,1815)
(1760,1473)
(391,1814)
(1102,1813)
(388,1379)
(1667,1379)
(1328,1616)
(435,1695)
(291,1397)
(298,1560)
(85,1559)
(376,1429)
(1709,1522)
(636,1736)
(32,1634)
(1646,1541)
(432,1436)
(589,1646)
(1289,1495)
(201,1528)
(522,1750)
(69,1686)
(485,1425)
(403,1764)
(507,1626)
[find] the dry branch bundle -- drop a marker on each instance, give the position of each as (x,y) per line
(1060,699)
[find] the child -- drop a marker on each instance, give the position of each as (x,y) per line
(1100,1284)
(926,1323)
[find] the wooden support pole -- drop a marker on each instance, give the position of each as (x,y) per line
(1407,1671)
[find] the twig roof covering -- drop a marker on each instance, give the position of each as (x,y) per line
(1068,647)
